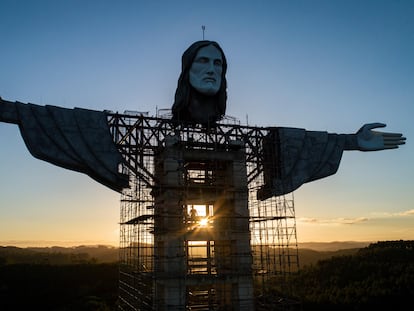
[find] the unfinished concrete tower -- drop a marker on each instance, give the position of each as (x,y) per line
(203,257)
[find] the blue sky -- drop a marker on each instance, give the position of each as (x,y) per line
(320,65)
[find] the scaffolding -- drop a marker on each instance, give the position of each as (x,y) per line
(193,235)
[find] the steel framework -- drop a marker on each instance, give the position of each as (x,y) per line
(272,226)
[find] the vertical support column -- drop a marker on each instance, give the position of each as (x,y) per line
(240,236)
(170,265)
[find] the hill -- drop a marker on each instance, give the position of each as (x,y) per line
(310,257)
(332,246)
(380,276)
(309,253)
(58,255)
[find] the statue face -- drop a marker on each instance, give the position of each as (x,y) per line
(206,69)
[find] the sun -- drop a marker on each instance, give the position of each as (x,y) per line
(203,222)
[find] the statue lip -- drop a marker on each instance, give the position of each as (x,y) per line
(210,79)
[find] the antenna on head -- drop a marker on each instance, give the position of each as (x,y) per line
(203,28)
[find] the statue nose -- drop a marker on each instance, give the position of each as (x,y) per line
(211,69)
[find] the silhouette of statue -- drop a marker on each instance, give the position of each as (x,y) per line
(79,139)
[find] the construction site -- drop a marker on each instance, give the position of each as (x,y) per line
(193,233)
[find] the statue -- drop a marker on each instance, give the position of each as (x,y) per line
(79,139)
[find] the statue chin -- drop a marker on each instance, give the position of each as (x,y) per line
(207,91)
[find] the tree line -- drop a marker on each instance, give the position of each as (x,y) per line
(378,276)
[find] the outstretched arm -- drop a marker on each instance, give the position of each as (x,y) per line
(292,156)
(75,139)
(369,140)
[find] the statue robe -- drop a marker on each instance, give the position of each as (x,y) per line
(80,140)
(75,139)
(293,156)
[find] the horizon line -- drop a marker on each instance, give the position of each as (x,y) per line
(56,243)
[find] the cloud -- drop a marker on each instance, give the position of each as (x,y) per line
(397,214)
(407,213)
(333,221)
(352,221)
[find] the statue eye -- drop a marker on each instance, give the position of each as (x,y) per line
(218,62)
(202,60)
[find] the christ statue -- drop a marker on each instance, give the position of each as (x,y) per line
(79,139)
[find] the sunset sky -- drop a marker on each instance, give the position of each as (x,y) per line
(320,65)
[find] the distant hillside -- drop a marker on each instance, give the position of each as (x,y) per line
(309,253)
(311,257)
(332,246)
(58,255)
(380,276)
(377,277)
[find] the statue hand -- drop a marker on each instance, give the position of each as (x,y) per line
(369,140)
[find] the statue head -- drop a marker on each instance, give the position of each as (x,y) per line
(202,87)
